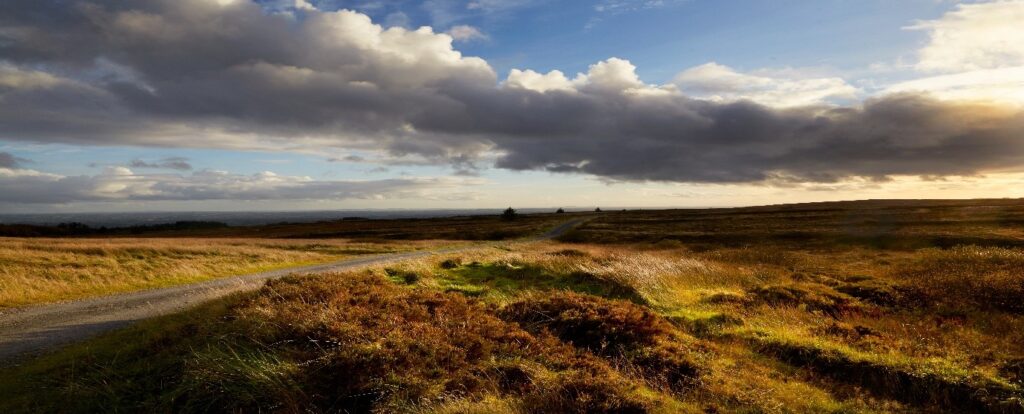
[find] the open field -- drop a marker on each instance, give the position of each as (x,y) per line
(856,307)
(41,270)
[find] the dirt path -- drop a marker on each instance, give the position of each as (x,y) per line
(36,329)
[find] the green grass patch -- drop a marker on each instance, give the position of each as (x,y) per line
(501,281)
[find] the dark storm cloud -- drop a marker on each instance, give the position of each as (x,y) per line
(745,142)
(197,74)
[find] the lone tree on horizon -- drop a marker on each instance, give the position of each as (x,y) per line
(509,214)
(597,210)
(559,211)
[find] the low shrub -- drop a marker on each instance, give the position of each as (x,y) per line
(410,278)
(621,331)
(451,263)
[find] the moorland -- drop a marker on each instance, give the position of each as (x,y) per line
(871,306)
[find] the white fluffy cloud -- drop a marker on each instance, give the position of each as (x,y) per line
(612,76)
(722,83)
(975,52)
(974,36)
(539,82)
(1001,84)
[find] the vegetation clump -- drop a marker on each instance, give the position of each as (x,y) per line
(878,292)
(451,263)
(509,214)
(618,330)
(810,296)
(570,253)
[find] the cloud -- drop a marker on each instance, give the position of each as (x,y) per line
(123,184)
(973,37)
(169,163)
(975,52)
(466,33)
(676,139)
(722,83)
(606,8)
(1002,84)
(237,76)
(8,160)
(539,82)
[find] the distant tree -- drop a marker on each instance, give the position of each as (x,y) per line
(597,210)
(509,214)
(559,211)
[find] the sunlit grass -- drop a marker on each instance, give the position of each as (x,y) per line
(752,327)
(39,270)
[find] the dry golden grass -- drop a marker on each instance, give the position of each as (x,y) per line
(40,270)
(831,318)
(731,296)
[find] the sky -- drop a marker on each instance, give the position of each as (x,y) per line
(173,105)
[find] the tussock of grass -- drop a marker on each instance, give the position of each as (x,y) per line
(617,330)
(809,296)
(877,291)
